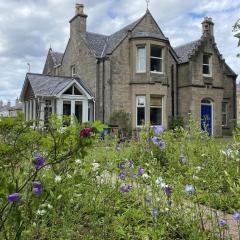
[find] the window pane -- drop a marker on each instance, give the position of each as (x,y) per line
(156,116)
(78,111)
(69,91)
(140,116)
(206,59)
(224,119)
(141,59)
(67,108)
(156,51)
(156,65)
(206,69)
(140,100)
(224,107)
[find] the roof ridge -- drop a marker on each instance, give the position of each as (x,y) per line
(188,43)
(49,75)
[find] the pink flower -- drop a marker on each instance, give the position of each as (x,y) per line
(86,132)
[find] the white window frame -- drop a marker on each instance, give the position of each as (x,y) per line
(159,58)
(138,59)
(140,106)
(73,71)
(160,107)
(209,65)
(225,114)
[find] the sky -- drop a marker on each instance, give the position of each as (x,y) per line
(29,27)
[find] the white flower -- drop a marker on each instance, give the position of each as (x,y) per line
(198,169)
(69,176)
(49,206)
(78,161)
(59,197)
(95,166)
(160,182)
(58,178)
(41,212)
(145,176)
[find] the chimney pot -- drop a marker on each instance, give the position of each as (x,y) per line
(79,9)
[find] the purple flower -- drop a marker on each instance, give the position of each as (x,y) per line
(190,189)
(14,197)
(129,187)
(154,212)
(236,216)
(130,163)
(124,189)
(168,190)
(86,132)
(222,223)
(37,185)
(122,166)
(158,130)
(155,140)
(140,170)
(39,161)
(122,175)
(37,191)
(162,145)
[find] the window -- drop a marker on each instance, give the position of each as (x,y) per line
(141,59)
(206,64)
(73,90)
(156,59)
(73,71)
(156,110)
(141,104)
(224,114)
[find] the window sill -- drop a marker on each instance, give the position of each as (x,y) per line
(159,73)
(207,75)
(141,72)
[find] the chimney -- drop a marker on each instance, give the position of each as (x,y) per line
(207,27)
(78,22)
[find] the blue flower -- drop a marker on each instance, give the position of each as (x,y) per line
(155,140)
(37,185)
(39,161)
(14,197)
(37,191)
(222,223)
(236,216)
(158,130)
(190,189)
(140,170)
(122,166)
(154,212)
(168,190)
(124,189)
(162,145)
(122,175)
(130,163)
(129,187)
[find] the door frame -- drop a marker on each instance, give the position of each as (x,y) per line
(211,105)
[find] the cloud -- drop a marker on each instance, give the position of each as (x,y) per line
(28,27)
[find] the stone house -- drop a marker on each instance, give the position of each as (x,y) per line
(138,71)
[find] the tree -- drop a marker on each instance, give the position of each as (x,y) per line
(236,28)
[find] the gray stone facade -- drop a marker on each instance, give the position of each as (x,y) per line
(107,64)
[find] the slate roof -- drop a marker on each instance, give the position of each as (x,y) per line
(103,44)
(184,51)
(57,57)
(50,86)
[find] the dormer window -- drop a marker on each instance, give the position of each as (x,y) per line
(207,62)
(156,59)
(73,71)
(141,59)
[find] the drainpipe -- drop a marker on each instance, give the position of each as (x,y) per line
(103,90)
(172,90)
(94,108)
(177,94)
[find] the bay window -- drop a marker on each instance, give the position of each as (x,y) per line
(141,59)
(140,110)
(156,110)
(156,59)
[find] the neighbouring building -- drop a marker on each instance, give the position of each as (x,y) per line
(138,71)
(10,111)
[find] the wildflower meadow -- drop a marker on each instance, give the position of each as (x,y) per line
(68,183)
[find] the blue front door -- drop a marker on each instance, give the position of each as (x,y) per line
(206,118)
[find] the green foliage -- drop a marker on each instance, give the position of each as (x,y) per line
(123,120)
(236,28)
(176,122)
(83,195)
